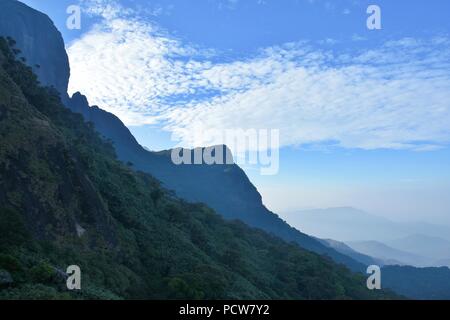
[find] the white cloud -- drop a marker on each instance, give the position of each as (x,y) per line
(346,11)
(395,96)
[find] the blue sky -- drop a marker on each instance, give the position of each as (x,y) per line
(363,114)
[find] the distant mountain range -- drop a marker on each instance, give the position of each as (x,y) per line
(389,255)
(434,248)
(358,256)
(350,224)
(409,243)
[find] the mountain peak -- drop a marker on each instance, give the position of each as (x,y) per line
(40,42)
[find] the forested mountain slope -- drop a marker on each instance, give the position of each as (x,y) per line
(65,199)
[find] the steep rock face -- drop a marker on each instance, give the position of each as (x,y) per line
(40,42)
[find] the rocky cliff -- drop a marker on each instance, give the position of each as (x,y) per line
(40,42)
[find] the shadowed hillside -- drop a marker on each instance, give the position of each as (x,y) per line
(65,200)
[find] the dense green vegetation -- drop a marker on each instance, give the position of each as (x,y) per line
(65,199)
